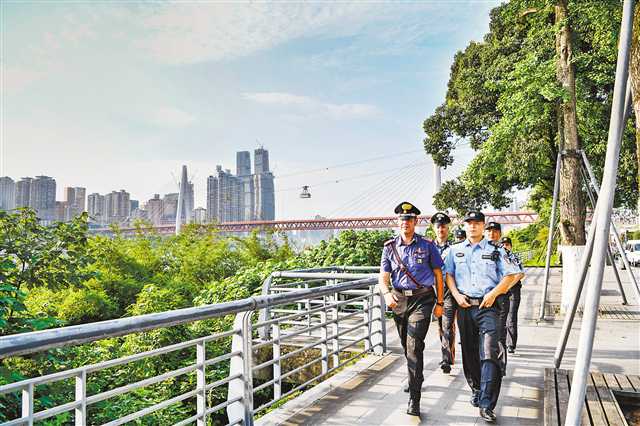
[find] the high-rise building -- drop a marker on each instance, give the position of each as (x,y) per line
(135,204)
(7,193)
(154,210)
(42,197)
(243,163)
(96,208)
(61,211)
(200,215)
(223,197)
(261,161)
(23,192)
(75,202)
(117,206)
(247,197)
(264,198)
(169,207)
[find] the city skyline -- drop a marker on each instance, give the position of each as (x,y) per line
(337,83)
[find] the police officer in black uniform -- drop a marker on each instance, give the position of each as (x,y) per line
(446,323)
(410,269)
(493,233)
(514,301)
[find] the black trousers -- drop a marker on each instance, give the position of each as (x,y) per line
(502,303)
(482,355)
(412,316)
(447,326)
(512,318)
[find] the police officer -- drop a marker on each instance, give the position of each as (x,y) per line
(459,235)
(410,268)
(477,272)
(493,232)
(446,322)
(514,301)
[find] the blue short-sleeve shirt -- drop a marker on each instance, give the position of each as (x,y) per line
(475,271)
(420,256)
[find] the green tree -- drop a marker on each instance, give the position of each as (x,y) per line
(503,99)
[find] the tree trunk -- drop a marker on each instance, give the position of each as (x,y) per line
(634,70)
(572,206)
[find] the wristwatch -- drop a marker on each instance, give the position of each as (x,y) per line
(440,303)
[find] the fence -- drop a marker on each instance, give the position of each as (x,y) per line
(335,316)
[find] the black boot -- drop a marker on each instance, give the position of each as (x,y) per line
(475,398)
(446,368)
(413,408)
(488,415)
(406,388)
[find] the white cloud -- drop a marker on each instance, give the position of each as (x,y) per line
(311,107)
(171,117)
(199,31)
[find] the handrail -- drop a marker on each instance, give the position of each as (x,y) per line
(25,343)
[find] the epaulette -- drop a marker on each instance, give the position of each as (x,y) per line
(496,244)
(386,243)
(457,242)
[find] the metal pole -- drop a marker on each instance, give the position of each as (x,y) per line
(614,231)
(552,222)
(603,221)
(571,313)
(592,199)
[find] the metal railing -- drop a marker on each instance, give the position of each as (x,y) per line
(326,318)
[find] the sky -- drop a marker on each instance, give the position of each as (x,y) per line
(118,95)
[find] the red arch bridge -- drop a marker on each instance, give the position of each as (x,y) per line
(505,218)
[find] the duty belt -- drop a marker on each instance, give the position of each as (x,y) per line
(417,292)
(474,301)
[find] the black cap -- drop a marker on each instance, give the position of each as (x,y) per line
(406,210)
(507,240)
(460,234)
(476,215)
(440,217)
(493,225)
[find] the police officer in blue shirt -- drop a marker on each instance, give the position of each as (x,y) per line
(446,322)
(477,272)
(410,269)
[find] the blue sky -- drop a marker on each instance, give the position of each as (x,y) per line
(116,96)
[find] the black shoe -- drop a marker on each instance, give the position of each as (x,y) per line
(511,349)
(413,408)
(406,388)
(446,368)
(475,398)
(488,415)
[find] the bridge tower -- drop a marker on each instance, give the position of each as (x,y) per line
(437,182)
(181,201)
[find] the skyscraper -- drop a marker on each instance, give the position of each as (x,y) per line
(7,193)
(117,206)
(169,207)
(223,197)
(96,208)
(243,163)
(261,161)
(42,197)
(264,197)
(154,210)
(75,201)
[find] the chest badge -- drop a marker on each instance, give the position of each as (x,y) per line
(459,254)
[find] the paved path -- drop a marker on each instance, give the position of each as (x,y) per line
(374,396)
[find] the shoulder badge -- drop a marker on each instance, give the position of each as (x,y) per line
(495,244)
(386,243)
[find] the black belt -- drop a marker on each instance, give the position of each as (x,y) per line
(417,292)
(473,301)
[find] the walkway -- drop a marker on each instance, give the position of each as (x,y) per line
(371,393)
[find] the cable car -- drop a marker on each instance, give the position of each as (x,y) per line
(305,192)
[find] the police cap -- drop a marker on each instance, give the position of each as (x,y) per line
(476,215)
(460,234)
(506,240)
(406,210)
(493,225)
(440,218)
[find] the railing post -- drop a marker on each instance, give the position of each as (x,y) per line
(201,384)
(307,305)
(324,349)
(366,315)
(265,314)
(277,366)
(241,364)
(378,323)
(81,397)
(27,403)
(335,329)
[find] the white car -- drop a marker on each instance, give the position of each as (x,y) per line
(632,250)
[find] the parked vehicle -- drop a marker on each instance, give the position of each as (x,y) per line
(632,249)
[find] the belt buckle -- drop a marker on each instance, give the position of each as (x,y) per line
(408,292)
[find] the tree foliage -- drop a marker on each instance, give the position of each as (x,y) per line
(502,99)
